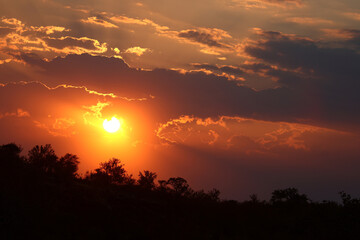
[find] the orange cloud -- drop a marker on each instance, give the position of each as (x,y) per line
(49,29)
(93,114)
(98,21)
(339,33)
(20,27)
(226,133)
(267,3)
(353,15)
(128,20)
(60,127)
(84,88)
(210,39)
(309,20)
(137,50)
(19,113)
(38,39)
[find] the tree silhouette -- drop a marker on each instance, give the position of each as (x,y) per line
(43,159)
(348,201)
(10,155)
(112,171)
(162,185)
(254,198)
(179,186)
(214,194)
(147,179)
(288,195)
(46,207)
(67,165)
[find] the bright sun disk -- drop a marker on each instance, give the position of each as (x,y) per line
(111,126)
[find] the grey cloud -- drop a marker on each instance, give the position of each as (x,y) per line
(306,55)
(224,69)
(354,39)
(64,42)
(316,99)
(284,1)
(201,37)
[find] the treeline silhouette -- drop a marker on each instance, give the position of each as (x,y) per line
(43,197)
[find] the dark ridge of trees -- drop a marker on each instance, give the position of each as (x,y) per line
(43,197)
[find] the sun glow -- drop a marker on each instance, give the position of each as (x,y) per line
(112,126)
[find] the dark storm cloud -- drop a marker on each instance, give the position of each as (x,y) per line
(328,74)
(304,54)
(318,85)
(281,75)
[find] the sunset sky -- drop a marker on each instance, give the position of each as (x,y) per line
(246,96)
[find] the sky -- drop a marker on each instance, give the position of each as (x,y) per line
(246,96)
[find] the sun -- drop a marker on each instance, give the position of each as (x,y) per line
(111,126)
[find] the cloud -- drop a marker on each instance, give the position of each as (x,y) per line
(338,33)
(310,21)
(304,54)
(60,115)
(5,31)
(231,72)
(49,29)
(254,152)
(224,68)
(19,26)
(72,42)
(280,2)
(99,21)
(302,66)
(209,37)
(60,127)
(349,38)
(137,50)
(259,138)
(128,20)
(268,3)
(240,148)
(240,134)
(353,15)
(18,113)
(44,40)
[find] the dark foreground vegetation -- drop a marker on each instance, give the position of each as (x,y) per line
(42,197)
